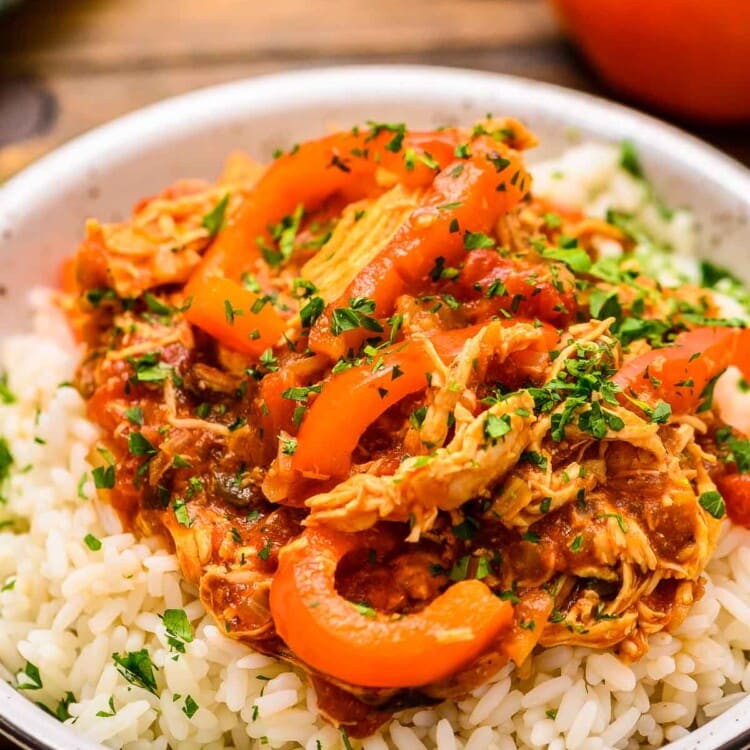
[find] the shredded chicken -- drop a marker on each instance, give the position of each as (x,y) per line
(471,463)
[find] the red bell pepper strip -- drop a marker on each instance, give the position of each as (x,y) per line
(679,374)
(328,633)
(236,317)
(351,401)
(465,201)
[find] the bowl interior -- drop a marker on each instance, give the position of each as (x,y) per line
(42,211)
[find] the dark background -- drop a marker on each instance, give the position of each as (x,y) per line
(68,65)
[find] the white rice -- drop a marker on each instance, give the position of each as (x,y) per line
(66,608)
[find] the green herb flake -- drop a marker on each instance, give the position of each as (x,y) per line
(29,678)
(213,221)
(134,415)
(364,609)
(178,628)
(535,459)
(140,445)
(496,427)
(629,159)
(620,522)
(92,542)
(6,396)
(713,504)
(477,241)
(181,513)
(311,311)
(137,668)
(265,553)
(190,707)
(576,258)
(288,445)
(661,413)
(112,711)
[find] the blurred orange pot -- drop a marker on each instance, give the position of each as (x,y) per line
(689,57)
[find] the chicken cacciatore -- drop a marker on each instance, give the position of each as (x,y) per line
(401,420)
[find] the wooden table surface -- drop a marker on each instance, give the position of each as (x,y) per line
(68,65)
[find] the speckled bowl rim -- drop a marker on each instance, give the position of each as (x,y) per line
(202,110)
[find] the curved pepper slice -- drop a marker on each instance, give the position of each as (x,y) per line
(351,401)
(236,317)
(679,374)
(310,174)
(464,202)
(330,635)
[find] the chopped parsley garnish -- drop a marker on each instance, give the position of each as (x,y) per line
(92,542)
(190,707)
(466,529)
(576,544)
(496,427)
(181,513)
(29,678)
(62,711)
(357,315)
(661,413)
(265,553)
(178,628)
(477,241)
(311,311)
(213,221)
(707,394)
(288,445)
(137,668)
(140,445)
(713,504)
(284,235)
(576,258)
(6,460)
(364,609)
(134,415)
(535,459)
(6,396)
(300,393)
(269,361)
(620,522)
(104,476)
(600,614)
(112,711)
(629,159)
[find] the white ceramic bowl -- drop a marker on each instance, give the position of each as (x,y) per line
(103,173)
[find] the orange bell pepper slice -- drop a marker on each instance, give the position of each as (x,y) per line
(679,374)
(235,316)
(352,400)
(311,173)
(464,202)
(330,635)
